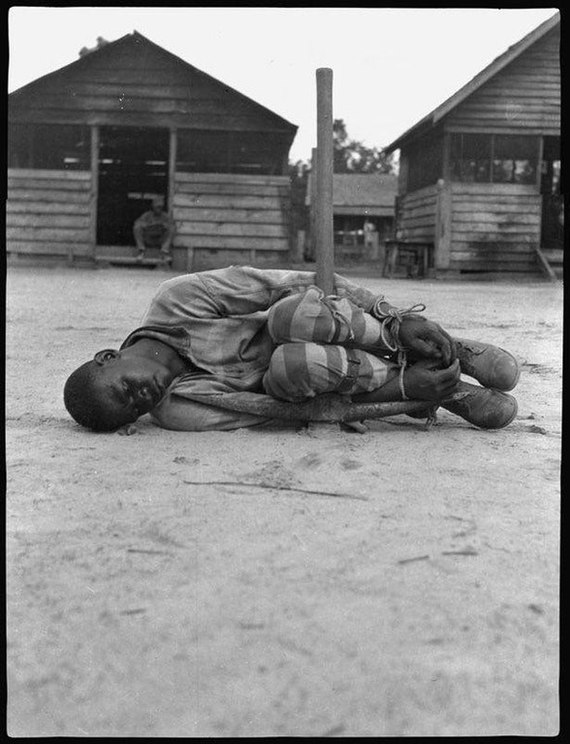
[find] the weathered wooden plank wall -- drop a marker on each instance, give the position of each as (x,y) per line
(228,218)
(524,96)
(416,216)
(494,227)
(48,213)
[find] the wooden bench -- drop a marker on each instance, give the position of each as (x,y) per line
(416,256)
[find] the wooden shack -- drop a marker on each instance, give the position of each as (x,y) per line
(90,144)
(479,176)
(357,198)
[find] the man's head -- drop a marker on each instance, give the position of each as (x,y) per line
(157,204)
(114,389)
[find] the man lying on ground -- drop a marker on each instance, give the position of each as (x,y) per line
(274,332)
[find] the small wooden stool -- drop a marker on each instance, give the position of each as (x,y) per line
(417,254)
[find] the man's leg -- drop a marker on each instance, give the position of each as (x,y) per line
(166,251)
(138,235)
(309,326)
(298,371)
(310,316)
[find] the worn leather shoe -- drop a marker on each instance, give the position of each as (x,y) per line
(491,366)
(482,406)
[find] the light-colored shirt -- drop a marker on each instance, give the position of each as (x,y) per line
(155,228)
(217,321)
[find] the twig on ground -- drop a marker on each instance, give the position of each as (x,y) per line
(276,488)
(411,560)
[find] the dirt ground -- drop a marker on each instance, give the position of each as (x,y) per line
(279,581)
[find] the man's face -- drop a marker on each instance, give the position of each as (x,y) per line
(157,205)
(130,386)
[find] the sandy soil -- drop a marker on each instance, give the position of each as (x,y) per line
(178,584)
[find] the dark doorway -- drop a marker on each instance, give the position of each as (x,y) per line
(552,201)
(133,167)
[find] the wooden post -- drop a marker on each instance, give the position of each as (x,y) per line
(312,185)
(94,196)
(324,247)
(170,195)
(172,157)
(442,242)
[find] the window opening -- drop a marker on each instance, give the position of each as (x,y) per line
(49,146)
(494,158)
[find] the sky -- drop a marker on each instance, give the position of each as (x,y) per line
(391,66)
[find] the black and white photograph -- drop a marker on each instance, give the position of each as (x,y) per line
(283,371)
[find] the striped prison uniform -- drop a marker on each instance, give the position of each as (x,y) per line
(321,343)
(266,331)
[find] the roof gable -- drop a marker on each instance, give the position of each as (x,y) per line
(493,69)
(139,56)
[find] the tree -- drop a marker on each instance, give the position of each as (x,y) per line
(349,156)
(352,156)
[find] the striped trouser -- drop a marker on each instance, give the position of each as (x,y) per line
(325,344)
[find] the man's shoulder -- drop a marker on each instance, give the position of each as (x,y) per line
(150,215)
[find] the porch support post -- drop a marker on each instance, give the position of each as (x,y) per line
(172,167)
(442,242)
(94,190)
(172,157)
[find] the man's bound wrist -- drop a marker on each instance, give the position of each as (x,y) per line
(382,310)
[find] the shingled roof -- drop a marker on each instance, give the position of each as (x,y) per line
(361,193)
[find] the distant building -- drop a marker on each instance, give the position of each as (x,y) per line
(89,145)
(357,198)
(480,175)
